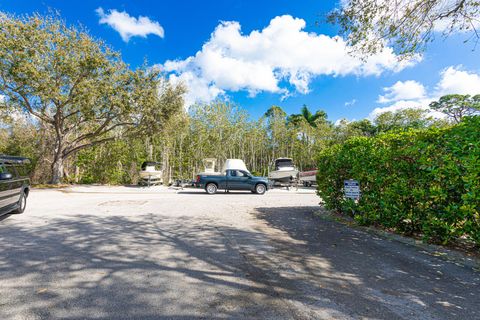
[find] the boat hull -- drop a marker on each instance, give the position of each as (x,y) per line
(283,175)
(310,176)
(151,176)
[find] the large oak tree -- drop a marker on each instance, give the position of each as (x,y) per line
(77,86)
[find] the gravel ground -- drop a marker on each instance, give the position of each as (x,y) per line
(158,253)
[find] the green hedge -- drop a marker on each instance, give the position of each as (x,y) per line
(422,181)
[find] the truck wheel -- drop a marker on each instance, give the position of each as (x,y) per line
(22,204)
(260,188)
(211,188)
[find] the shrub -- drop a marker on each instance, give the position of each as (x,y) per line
(420,181)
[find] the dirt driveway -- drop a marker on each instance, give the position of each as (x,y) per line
(128,253)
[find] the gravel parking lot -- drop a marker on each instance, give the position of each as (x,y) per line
(159,253)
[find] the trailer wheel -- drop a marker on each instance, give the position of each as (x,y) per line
(211,188)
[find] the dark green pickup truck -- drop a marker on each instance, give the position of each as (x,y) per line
(232,180)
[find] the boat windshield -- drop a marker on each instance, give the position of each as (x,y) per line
(282,163)
(150,165)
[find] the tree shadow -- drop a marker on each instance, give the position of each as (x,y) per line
(155,266)
(372,275)
(148,266)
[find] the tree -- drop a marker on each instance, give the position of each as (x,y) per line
(365,127)
(345,129)
(457,106)
(306,115)
(279,137)
(402,119)
(77,86)
(275,112)
(406,25)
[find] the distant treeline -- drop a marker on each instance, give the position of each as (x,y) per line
(217,130)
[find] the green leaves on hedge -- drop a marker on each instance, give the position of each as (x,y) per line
(419,181)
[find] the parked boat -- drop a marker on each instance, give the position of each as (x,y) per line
(151,174)
(230,164)
(308,178)
(209,167)
(234,164)
(284,171)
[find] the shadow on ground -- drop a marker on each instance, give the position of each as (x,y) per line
(366,275)
(146,266)
(292,265)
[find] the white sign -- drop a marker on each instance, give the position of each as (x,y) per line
(351,189)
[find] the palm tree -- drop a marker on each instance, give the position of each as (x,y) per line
(306,115)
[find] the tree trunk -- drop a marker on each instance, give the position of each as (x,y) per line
(57,170)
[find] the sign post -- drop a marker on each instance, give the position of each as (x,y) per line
(351,189)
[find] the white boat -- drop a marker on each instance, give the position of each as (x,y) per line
(234,164)
(230,164)
(284,171)
(150,173)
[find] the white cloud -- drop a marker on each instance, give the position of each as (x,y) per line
(350,103)
(199,90)
(456,81)
(129,26)
(280,58)
(453,80)
(408,90)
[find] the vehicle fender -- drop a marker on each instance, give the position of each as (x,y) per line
(259,182)
(210,181)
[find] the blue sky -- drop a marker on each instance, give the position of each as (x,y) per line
(275,54)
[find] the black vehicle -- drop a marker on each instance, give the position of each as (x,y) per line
(14,184)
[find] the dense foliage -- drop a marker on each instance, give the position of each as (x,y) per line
(423,181)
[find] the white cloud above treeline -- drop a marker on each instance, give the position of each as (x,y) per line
(407,90)
(454,80)
(128,26)
(412,94)
(281,58)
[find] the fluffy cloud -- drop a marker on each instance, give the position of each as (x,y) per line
(408,90)
(455,80)
(411,94)
(281,58)
(129,26)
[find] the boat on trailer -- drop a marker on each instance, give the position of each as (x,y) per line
(234,164)
(209,167)
(308,177)
(284,171)
(151,174)
(230,164)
